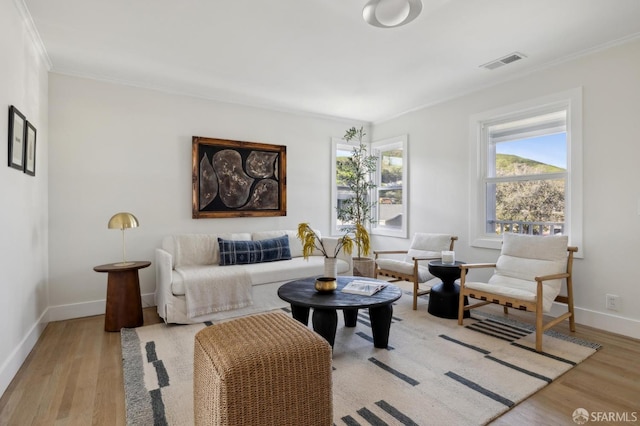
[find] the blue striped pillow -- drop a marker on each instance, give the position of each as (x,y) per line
(243,252)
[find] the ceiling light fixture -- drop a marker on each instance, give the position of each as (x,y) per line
(391,13)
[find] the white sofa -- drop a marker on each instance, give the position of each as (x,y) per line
(185,256)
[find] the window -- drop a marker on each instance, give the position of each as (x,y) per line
(341,149)
(527,164)
(390,210)
(391,187)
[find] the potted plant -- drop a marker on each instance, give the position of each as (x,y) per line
(356,212)
(312,241)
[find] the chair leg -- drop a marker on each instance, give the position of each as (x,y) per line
(461,307)
(539,327)
(572,322)
(415,295)
(572,318)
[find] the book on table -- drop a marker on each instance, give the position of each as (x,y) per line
(363,287)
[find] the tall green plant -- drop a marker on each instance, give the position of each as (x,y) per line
(356,174)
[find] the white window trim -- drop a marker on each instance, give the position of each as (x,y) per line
(335,143)
(376,147)
(572,100)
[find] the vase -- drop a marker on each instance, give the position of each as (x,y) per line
(364,267)
(330,267)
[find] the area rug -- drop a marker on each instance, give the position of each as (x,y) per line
(433,372)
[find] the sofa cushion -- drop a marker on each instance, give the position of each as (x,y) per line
(296,268)
(234,252)
(197,249)
(295,245)
(263,273)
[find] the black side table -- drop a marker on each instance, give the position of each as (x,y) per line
(444,297)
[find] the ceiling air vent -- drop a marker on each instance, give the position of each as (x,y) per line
(505,60)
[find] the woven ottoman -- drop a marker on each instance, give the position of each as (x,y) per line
(264,369)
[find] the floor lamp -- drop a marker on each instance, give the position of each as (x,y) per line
(123,221)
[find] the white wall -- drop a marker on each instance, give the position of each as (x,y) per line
(23,211)
(118,148)
(439,189)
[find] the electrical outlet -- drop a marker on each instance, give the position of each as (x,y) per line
(613,302)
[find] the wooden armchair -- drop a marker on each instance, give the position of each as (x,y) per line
(528,276)
(414,266)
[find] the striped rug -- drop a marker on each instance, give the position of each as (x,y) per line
(434,372)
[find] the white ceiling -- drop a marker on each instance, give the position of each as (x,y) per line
(319,56)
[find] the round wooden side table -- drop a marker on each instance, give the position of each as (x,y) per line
(124,304)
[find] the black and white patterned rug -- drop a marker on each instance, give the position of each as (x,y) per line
(434,371)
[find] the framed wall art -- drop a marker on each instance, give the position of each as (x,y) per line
(30,149)
(237,179)
(17,124)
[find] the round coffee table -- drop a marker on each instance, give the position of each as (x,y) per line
(302,296)
(444,297)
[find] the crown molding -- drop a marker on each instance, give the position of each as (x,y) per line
(33,32)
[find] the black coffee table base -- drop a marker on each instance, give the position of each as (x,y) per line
(443,301)
(302,296)
(325,322)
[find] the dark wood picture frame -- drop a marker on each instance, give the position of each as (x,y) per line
(17,127)
(237,179)
(30,134)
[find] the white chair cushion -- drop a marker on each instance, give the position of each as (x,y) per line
(518,289)
(524,257)
(535,247)
(405,268)
(428,245)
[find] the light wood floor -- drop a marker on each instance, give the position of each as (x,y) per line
(73,376)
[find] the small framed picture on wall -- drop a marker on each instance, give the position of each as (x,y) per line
(17,124)
(30,149)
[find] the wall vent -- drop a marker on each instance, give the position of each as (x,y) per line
(505,60)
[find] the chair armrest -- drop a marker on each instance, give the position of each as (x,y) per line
(416,259)
(552,277)
(477,265)
(377,252)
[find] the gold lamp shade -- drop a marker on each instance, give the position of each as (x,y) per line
(123,221)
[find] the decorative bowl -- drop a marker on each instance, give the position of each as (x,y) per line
(326,284)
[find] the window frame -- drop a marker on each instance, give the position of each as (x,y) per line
(373,147)
(335,144)
(400,141)
(571,100)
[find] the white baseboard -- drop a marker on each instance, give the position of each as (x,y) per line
(88,309)
(612,323)
(601,320)
(13,363)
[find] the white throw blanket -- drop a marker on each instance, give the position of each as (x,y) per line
(217,289)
